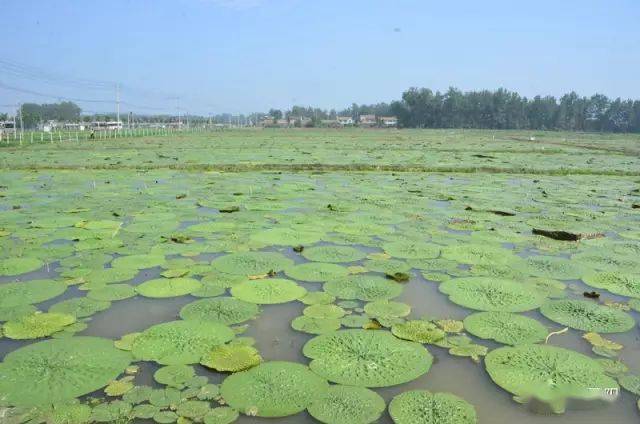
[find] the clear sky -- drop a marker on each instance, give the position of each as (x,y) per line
(250,55)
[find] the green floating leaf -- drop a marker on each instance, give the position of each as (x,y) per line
(423,407)
(473,351)
(546,372)
(37,325)
(553,267)
(80,307)
(193,409)
(475,254)
(54,371)
(366,358)
(387,309)
(410,249)
(119,387)
(231,358)
(324,311)
(69,413)
(316,272)
(29,292)
(615,282)
(587,316)
(630,383)
(174,375)
(126,341)
(111,412)
(418,331)
(315,325)
(112,292)
(17,266)
(135,262)
(318,298)
(273,389)
(268,291)
(505,327)
(333,254)
(221,415)
(226,310)
(180,342)
(363,287)
(491,294)
(251,263)
(168,287)
(347,405)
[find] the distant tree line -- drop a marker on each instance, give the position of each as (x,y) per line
(503,109)
(418,108)
(33,114)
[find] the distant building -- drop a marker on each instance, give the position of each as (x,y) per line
(388,121)
(331,123)
(283,123)
(344,120)
(7,127)
(368,120)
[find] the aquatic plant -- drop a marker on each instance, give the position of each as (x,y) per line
(366,358)
(273,389)
(505,327)
(347,405)
(424,407)
(587,316)
(226,310)
(54,371)
(491,294)
(268,291)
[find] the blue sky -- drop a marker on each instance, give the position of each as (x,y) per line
(249,55)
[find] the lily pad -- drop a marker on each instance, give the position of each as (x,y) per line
(226,310)
(491,294)
(174,375)
(316,272)
(333,254)
(221,415)
(54,371)
(273,389)
(366,358)
(387,309)
(29,292)
(315,325)
(423,407)
(324,311)
(268,291)
(546,372)
(505,327)
(112,292)
(168,287)
(17,266)
(409,249)
(363,287)
(615,282)
(80,307)
(251,263)
(180,342)
(418,331)
(231,358)
(37,325)
(587,316)
(347,405)
(141,261)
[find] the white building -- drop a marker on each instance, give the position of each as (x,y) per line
(345,120)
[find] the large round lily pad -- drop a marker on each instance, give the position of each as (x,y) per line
(226,310)
(475,254)
(366,358)
(492,294)
(180,342)
(58,370)
(316,272)
(409,249)
(37,325)
(168,287)
(80,307)
(337,254)
(363,287)
(273,389)
(347,405)
(546,372)
(616,282)
(251,263)
(587,316)
(505,327)
(29,292)
(17,266)
(424,407)
(268,291)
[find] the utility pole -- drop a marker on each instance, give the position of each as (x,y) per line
(117,102)
(21,121)
(179,114)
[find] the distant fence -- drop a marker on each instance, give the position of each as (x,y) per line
(32,137)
